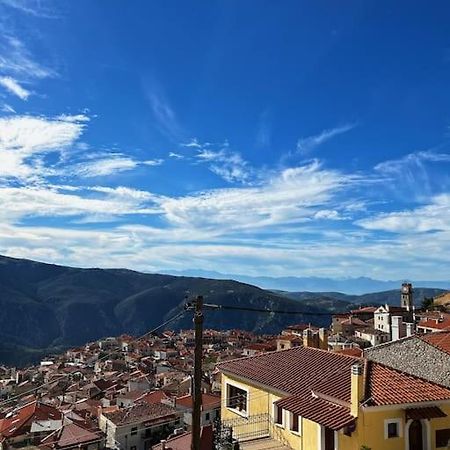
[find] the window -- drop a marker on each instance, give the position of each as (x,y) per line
(392,428)
(236,398)
(133,447)
(278,415)
(207,416)
(133,431)
(294,423)
(443,437)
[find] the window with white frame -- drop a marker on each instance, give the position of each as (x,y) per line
(278,414)
(236,398)
(392,428)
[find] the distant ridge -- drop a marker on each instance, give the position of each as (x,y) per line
(350,286)
(46,307)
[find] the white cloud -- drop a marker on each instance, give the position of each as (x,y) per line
(107,165)
(152,162)
(292,196)
(193,143)
(416,176)
(175,155)
(22,202)
(412,161)
(310,143)
(8,108)
(14,87)
(16,59)
(36,8)
(24,140)
(226,164)
(431,217)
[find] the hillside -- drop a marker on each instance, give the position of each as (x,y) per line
(47,307)
(338,301)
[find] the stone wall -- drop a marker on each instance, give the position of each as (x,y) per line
(414,356)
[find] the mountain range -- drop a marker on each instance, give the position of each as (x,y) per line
(46,308)
(351,285)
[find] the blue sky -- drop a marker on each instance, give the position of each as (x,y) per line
(251,137)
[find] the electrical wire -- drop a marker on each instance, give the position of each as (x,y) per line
(107,355)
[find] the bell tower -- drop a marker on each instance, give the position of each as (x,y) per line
(406,299)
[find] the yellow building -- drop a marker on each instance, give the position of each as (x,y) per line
(310,399)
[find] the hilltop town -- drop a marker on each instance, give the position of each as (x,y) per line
(307,387)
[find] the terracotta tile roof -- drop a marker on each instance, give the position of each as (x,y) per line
(295,370)
(356,352)
(430,323)
(440,340)
(318,410)
(183,441)
(141,412)
(388,386)
(19,421)
(153,397)
(70,435)
(208,400)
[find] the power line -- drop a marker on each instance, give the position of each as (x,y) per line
(269,311)
(107,355)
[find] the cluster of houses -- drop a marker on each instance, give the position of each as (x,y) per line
(379,378)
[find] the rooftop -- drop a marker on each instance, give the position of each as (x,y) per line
(141,412)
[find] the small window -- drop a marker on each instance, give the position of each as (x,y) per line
(443,438)
(207,416)
(294,423)
(278,415)
(392,428)
(236,398)
(133,447)
(133,431)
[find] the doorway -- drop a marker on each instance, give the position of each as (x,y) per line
(416,435)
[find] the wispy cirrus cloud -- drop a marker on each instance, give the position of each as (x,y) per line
(14,87)
(104,164)
(16,59)
(308,144)
(418,175)
(36,8)
(226,164)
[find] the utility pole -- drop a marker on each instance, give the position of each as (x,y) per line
(198,373)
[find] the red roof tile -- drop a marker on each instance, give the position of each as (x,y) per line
(295,370)
(430,323)
(183,441)
(441,340)
(70,435)
(318,410)
(208,400)
(141,412)
(391,387)
(19,421)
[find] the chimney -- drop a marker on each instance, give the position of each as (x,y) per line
(307,337)
(357,388)
(163,444)
(396,327)
(409,329)
(323,338)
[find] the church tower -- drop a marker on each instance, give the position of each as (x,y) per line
(407,296)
